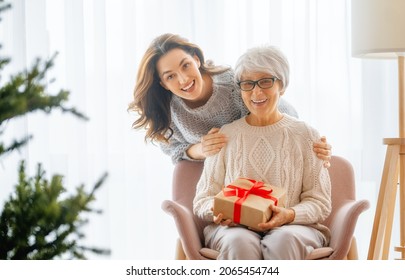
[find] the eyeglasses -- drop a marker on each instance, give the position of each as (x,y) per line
(262,83)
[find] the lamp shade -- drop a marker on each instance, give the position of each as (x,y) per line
(378,28)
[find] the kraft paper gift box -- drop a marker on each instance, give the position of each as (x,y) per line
(246,202)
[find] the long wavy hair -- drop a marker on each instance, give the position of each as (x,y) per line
(152,101)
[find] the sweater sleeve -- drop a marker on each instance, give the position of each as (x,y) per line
(176,147)
(210,184)
(315,205)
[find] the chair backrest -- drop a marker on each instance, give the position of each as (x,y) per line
(344,206)
(343,185)
(185,178)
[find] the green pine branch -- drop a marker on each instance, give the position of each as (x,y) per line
(27,92)
(15,145)
(37,223)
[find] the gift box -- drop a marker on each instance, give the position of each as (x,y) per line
(246,202)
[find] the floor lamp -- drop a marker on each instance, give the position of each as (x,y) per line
(378,31)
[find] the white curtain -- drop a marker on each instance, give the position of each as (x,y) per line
(100,44)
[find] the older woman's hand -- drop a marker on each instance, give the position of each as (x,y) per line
(213,142)
(219,221)
(280,216)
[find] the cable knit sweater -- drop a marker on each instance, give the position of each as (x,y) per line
(224,106)
(281,155)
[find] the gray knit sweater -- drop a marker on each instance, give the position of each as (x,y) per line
(279,154)
(224,106)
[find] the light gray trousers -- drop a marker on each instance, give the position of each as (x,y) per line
(289,242)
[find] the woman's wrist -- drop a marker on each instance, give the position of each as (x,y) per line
(291,215)
(195,152)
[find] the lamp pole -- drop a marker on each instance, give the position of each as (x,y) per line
(401,102)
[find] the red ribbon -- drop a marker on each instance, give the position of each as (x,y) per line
(242,193)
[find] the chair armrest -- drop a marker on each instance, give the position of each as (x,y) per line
(343,226)
(186,228)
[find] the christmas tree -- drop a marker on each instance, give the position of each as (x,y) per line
(36,222)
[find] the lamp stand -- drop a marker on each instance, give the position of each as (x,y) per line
(394,172)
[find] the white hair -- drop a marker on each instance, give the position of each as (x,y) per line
(264,59)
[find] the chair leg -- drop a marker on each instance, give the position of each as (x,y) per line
(353,254)
(180,255)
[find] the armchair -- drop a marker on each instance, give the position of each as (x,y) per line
(342,220)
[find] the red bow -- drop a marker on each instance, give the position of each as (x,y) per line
(242,193)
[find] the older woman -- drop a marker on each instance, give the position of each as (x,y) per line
(275,148)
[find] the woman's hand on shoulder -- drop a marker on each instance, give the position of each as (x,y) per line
(210,145)
(213,142)
(323,151)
